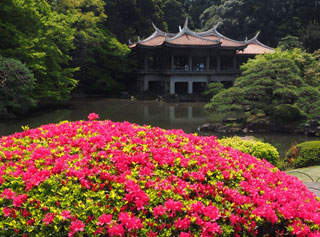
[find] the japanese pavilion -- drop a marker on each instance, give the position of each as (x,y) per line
(185,62)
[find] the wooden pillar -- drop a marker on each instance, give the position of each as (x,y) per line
(172,62)
(234,61)
(145,84)
(190,63)
(208,62)
(190,87)
(218,61)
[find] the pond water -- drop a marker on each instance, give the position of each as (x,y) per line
(185,116)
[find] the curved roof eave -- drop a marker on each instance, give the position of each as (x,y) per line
(186,30)
(255,40)
(214,32)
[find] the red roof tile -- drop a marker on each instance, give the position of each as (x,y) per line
(156,41)
(188,39)
(256,49)
(225,42)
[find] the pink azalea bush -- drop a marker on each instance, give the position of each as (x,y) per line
(121,179)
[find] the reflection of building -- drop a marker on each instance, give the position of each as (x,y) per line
(185,62)
(184,114)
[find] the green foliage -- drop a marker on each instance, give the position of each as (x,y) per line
(311,36)
(275,19)
(290,42)
(213,89)
(174,14)
(284,112)
(283,85)
(258,149)
(101,58)
(304,154)
(231,101)
(42,39)
(128,19)
(16,86)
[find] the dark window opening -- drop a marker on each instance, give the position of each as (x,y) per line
(181,88)
(199,87)
(226,62)
(156,87)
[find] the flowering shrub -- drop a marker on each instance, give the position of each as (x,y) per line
(120,179)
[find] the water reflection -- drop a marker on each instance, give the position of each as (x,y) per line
(185,116)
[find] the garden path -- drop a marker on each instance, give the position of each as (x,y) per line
(313,187)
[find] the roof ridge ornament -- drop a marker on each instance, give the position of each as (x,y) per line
(180,29)
(139,40)
(217,25)
(155,27)
(258,33)
(186,23)
(130,41)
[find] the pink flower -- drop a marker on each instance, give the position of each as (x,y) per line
(130,221)
(6,211)
(104,219)
(212,212)
(18,200)
(93,116)
(48,219)
(158,211)
(185,234)
(8,194)
(116,230)
(66,214)
(182,224)
(211,228)
(76,226)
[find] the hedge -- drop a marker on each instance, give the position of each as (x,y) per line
(255,148)
(304,154)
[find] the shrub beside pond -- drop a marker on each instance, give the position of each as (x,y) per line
(303,155)
(121,179)
(255,148)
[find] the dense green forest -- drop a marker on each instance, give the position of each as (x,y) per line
(65,46)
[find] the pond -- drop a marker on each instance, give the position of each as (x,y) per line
(185,116)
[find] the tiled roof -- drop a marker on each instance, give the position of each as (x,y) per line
(256,47)
(187,39)
(225,42)
(156,41)
(210,38)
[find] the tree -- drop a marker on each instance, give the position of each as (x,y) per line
(174,14)
(195,8)
(290,42)
(275,19)
(213,89)
(311,37)
(128,19)
(101,58)
(42,39)
(16,86)
(274,85)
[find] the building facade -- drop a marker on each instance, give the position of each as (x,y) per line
(185,62)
